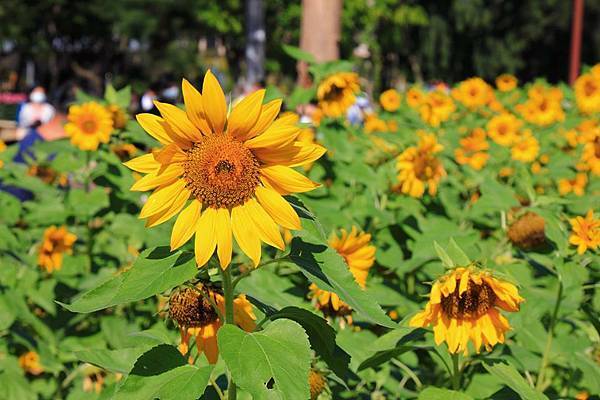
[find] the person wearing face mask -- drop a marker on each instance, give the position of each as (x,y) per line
(37,111)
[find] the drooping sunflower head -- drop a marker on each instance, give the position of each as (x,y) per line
(224,174)
(56,242)
(528,231)
(506,82)
(192,308)
(89,125)
(390,100)
(337,92)
(464,306)
(317,383)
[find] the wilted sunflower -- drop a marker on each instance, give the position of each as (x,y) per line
(30,363)
(191,308)
(234,168)
(89,125)
(317,384)
(506,82)
(418,166)
(585,232)
(463,305)
(56,242)
(528,231)
(336,93)
(359,255)
(390,100)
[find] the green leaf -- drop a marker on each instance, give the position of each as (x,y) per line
(155,271)
(392,345)
(7,314)
(280,352)
(444,257)
(10,209)
(299,54)
(85,204)
(433,393)
(164,373)
(457,255)
(321,336)
(121,360)
(511,378)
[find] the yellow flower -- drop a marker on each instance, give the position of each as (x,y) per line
(124,150)
(473,150)
(543,106)
(590,156)
(191,308)
(585,232)
(118,116)
(418,166)
(374,124)
(587,93)
(56,242)
(506,82)
(359,255)
(503,129)
(506,172)
(577,185)
(464,306)
(336,93)
(89,125)
(2,146)
(414,97)
(317,384)
(390,100)
(234,168)
(30,363)
(436,107)
(526,148)
(47,175)
(473,93)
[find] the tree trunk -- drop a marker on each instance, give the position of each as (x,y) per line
(255,47)
(320,33)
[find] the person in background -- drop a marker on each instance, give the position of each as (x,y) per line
(37,111)
(147,102)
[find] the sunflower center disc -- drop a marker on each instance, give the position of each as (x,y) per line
(473,303)
(191,309)
(221,172)
(89,126)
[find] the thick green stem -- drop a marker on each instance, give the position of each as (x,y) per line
(455,372)
(546,355)
(229,295)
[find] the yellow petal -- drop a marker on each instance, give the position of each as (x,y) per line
(224,239)
(245,114)
(245,236)
(290,156)
(206,239)
(153,125)
(169,154)
(266,118)
(144,164)
(278,208)
(186,224)
(162,198)
(158,178)
(168,213)
(275,137)
(286,180)
(213,102)
(193,107)
(268,231)
(178,121)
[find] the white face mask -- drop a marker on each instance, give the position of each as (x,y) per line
(37,97)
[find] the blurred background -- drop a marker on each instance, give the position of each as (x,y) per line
(66,45)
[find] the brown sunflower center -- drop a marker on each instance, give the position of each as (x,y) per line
(589,88)
(221,172)
(89,126)
(192,309)
(335,93)
(425,166)
(473,303)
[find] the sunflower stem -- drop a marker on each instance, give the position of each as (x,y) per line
(544,363)
(228,294)
(88,188)
(455,372)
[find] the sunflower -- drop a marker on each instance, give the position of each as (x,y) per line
(503,129)
(506,82)
(473,150)
(47,174)
(118,115)
(30,363)
(436,107)
(193,311)
(336,93)
(575,186)
(359,255)
(528,231)
(464,305)
(418,166)
(124,151)
(587,93)
(390,100)
(375,124)
(317,383)
(414,97)
(543,106)
(234,169)
(473,93)
(526,149)
(89,125)
(585,232)
(590,156)
(57,241)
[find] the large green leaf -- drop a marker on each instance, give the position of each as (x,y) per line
(280,353)
(433,393)
(155,271)
(511,378)
(392,345)
(121,360)
(163,373)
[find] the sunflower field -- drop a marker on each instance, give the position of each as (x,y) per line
(428,243)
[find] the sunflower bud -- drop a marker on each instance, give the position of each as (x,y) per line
(528,231)
(317,384)
(191,308)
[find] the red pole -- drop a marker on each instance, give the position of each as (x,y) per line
(576,28)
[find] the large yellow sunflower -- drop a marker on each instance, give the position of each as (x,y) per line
(463,305)
(336,93)
(230,170)
(89,125)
